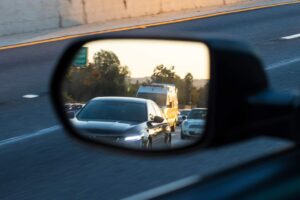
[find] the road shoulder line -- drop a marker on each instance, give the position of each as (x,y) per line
(145,25)
(164,189)
(28,136)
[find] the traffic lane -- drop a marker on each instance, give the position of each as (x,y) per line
(178,142)
(277,51)
(23,71)
(286,78)
(25,116)
(32,178)
(56,166)
(29,69)
(252,26)
(31,54)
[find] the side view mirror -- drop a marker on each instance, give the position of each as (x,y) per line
(156,119)
(222,76)
(184,117)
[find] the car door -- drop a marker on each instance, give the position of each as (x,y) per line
(163,126)
(155,130)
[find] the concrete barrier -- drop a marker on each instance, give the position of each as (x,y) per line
(19,16)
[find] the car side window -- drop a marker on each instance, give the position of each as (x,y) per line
(151,111)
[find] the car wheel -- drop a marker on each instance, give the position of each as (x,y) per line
(182,136)
(173,128)
(147,144)
(168,138)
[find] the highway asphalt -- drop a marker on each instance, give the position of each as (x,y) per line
(50,165)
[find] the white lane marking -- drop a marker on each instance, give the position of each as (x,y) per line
(290,37)
(282,63)
(30,96)
(31,135)
(152,193)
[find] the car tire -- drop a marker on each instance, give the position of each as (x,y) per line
(168,138)
(173,128)
(147,144)
(182,136)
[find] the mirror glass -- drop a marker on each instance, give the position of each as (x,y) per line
(138,93)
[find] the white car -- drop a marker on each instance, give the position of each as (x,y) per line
(193,125)
(183,113)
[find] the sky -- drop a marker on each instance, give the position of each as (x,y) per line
(142,56)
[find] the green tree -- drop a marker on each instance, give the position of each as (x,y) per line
(133,88)
(104,77)
(188,80)
(113,75)
(162,74)
(106,61)
(203,96)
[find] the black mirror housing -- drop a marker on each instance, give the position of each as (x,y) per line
(237,74)
(158,119)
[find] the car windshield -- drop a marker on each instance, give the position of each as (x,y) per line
(160,99)
(113,111)
(197,114)
(184,112)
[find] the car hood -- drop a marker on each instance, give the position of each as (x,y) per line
(109,128)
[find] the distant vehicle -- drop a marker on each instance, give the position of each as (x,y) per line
(124,120)
(193,125)
(73,106)
(182,114)
(165,95)
(77,106)
(67,106)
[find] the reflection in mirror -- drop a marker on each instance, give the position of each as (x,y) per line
(146,94)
